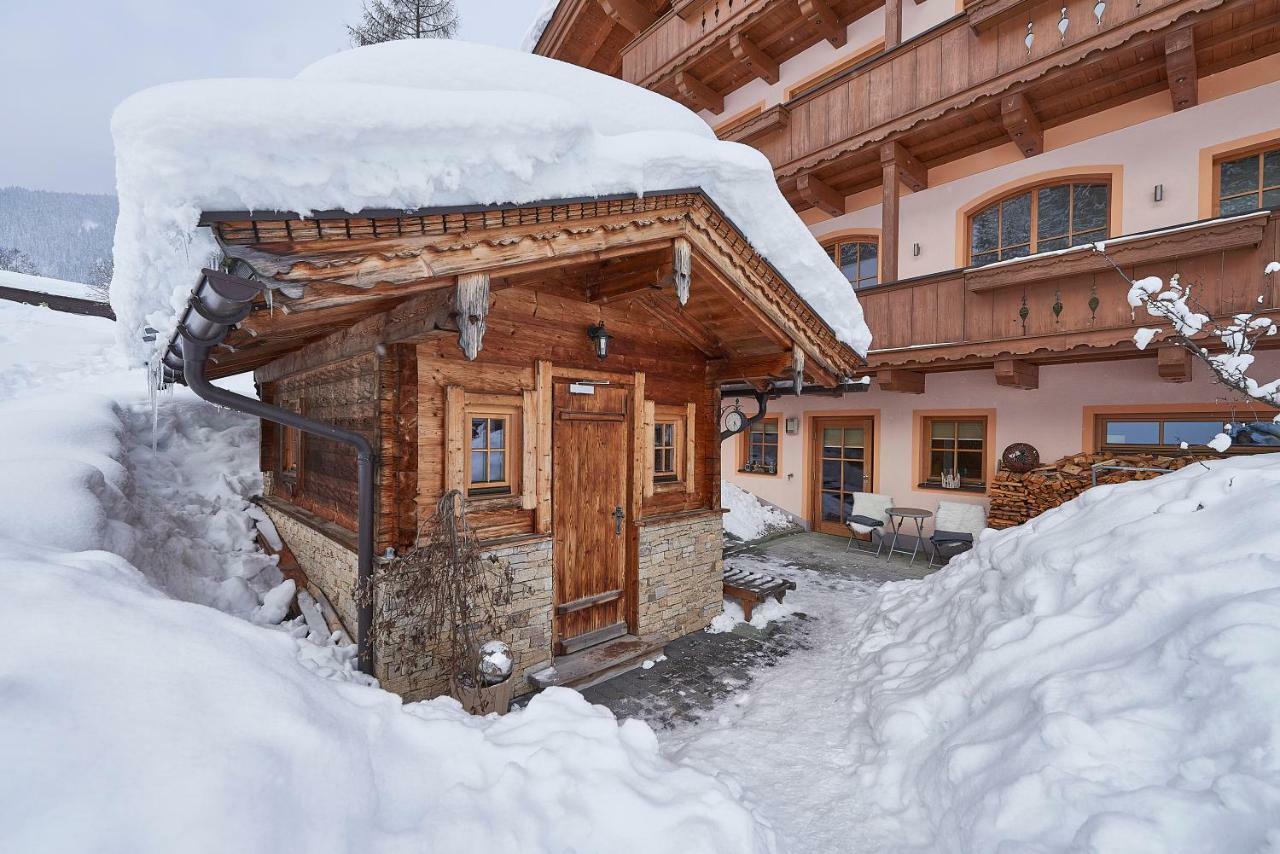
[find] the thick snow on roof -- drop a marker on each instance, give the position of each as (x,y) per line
(415,124)
(45,285)
(539,25)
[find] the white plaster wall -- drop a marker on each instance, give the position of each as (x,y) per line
(1152,146)
(1051,418)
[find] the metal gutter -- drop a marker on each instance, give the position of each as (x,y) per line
(218,302)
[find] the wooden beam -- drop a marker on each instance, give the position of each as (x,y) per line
(819,195)
(542,397)
(685,325)
(892,24)
(629,13)
(1180,67)
(682,267)
(698,94)
(473,307)
(797,371)
(756,60)
(1173,364)
(824,20)
(821,375)
(626,287)
(911,172)
(1016,373)
(771,366)
(901,380)
(1022,124)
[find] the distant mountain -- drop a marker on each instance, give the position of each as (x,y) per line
(63,233)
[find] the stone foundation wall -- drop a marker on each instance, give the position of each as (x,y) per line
(330,565)
(681,570)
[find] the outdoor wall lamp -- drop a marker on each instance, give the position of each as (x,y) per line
(600,338)
(1158,193)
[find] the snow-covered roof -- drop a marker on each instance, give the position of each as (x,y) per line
(416,124)
(45,285)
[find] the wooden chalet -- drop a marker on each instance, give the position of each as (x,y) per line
(466,345)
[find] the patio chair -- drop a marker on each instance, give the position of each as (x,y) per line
(871,513)
(955,526)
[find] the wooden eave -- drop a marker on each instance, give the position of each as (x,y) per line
(336,269)
(582,33)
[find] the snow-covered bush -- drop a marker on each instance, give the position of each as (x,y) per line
(1104,678)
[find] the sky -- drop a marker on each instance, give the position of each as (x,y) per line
(69,64)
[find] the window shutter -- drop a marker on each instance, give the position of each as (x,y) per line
(528,450)
(690,419)
(455,439)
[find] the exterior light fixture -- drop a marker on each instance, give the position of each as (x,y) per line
(600,338)
(915,250)
(1158,193)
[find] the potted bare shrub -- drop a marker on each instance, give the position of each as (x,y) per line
(443,599)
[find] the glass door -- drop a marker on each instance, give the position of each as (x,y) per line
(842,466)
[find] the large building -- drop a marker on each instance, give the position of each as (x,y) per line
(949,155)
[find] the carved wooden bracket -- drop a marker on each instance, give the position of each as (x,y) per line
(698,94)
(910,171)
(1022,124)
(1180,67)
(797,370)
(901,380)
(1015,373)
(824,21)
(473,307)
(749,54)
(682,267)
(629,13)
(819,195)
(755,128)
(1173,364)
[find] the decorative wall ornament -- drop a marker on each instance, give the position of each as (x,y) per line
(1024,312)
(1094,302)
(1098,9)
(1063,24)
(1057,305)
(1031,35)
(1020,457)
(950,479)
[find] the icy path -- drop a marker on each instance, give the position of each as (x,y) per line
(785,738)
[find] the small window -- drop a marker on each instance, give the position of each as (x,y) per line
(1042,219)
(1166,432)
(290,438)
(1249,182)
(494,451)
(666,451)
(858,260)
(761,447)
(956,448)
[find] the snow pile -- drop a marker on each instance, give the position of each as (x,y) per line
(422,123)
(539,25)
(1105,678)
(762,615)
(134,720)
(749,518)
(46,285)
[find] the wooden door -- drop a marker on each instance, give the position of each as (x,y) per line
(841,466)
(590,480)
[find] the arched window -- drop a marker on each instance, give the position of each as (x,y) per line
(1041,219)
(857,258)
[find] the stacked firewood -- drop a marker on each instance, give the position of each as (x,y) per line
(1017,497)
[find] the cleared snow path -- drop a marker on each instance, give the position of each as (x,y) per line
(785,737)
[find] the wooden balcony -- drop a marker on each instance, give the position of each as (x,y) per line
(1076,305)
(957,89)
(702,49)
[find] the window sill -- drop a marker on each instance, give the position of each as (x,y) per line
(759,473)
(668,486)
(937,487)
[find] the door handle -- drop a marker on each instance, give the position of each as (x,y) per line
(618,516)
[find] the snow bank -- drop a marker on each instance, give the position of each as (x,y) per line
(539,25)
(422,123)
(45,285)
(1105,678)
(749,518)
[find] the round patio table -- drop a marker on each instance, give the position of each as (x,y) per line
(898,515)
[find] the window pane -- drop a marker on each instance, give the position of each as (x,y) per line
(971,429)
(497,432)
(1239,176)
(849,261)
(969,466)
(771,427)
(854,437)
(1054,210)
(982,231)
(1082,237)
(1089,207)
(868,267)
(1016,252)
(1239,205)
(943,430)
(477,467)
(497,465)
(985,258)
(853,477)
(831,440)
(830,474)
(831,507)
(1271,198)
(1015,220)
(1053,245)
(939,460)
(1271,169)
(1191,432)
(1133,432)
(479,433)
(846,506)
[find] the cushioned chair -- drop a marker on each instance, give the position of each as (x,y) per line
(955,526)
(870,513)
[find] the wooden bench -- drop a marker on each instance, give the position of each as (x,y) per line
(752,588)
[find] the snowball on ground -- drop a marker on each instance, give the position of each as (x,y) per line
(1102,678)
(422,123)
(46,285)
(761,616)
(747,517)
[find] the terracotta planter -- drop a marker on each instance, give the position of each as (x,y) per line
(484,699)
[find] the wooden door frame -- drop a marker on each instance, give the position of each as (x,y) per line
(871,422)
(633,465)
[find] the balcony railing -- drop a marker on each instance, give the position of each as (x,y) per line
(1056,302)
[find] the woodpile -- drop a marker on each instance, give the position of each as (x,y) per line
(1017,497)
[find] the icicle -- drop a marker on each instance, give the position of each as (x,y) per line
(271,309)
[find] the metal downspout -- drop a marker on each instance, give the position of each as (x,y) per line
(219,301)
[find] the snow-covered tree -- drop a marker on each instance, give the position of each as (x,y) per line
(100,273)
(390,20)
(16,261)
(1224,346)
